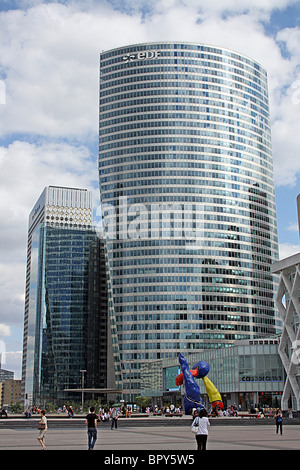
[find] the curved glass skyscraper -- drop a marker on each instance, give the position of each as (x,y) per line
(188,201)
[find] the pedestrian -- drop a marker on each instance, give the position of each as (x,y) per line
(202,422)
(42,427)
(114,418)
(278,417)
(70,412)
(91,423)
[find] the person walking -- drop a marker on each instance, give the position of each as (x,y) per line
(278,418)
(114,418)
(202,422)
(42,427)
(70,412)
(91,423)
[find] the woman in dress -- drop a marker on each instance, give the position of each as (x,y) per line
(42,427)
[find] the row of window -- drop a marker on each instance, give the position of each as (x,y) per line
(255,115)
(227,272)
(169,194)
(154,160)
(115,133)
(179,270)
(208,82)
(243,105)
(149,356)
(229,134)
(250,119)
(248,146)
(130,322)
(180,63)
(204,97)
(194,50)
(187,185)
(191,248)
(192,293)
(130,299)
(188,152)
(196,75)
(182,60)
(182,242)
(127,119)
(158,298)
(131,308)
(183,69)
(178,346)
(169,177)
(159,214)
(142,337)
(181,136)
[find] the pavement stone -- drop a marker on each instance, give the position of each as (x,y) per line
(164,439)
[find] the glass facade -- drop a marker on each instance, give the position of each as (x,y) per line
(188,203)
(67,321)
(248,373)
(62,207)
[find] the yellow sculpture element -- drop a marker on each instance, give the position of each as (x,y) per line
(212,392)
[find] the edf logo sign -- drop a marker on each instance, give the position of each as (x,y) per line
(141,56)
(2,92)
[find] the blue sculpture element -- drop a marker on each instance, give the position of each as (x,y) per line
(192,398)
(203,369)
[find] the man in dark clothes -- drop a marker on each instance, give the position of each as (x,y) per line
(91,423)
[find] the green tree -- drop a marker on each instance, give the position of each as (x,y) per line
(16,407)
(143,401)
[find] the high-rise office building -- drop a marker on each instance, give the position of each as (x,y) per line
(65,325)
(188,201)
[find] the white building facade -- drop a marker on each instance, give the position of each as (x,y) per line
(288,303)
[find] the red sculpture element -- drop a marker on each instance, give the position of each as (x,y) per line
(179,378)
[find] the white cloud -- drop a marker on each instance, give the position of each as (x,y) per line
(288,249)
(12,287)
(13,362)
(286,112)
(50,65)
(5,330)
(50,53)
(25,169)
(293,227)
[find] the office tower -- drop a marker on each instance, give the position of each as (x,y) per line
(188,203)
(65,306)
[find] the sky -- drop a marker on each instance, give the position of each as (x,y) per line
(49,68)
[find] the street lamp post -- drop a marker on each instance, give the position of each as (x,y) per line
(82,388)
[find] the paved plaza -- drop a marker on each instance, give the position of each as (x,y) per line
(160,438)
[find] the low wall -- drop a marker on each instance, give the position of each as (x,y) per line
(78,421)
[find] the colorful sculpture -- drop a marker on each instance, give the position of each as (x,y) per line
(192,398)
